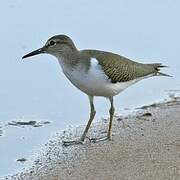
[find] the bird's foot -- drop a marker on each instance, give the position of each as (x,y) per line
(80,141)
(75,142)
(94,140)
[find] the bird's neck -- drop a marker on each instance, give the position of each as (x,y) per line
(69,60)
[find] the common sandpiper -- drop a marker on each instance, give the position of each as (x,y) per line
(96,73)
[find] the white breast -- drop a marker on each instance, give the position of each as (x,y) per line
(94,81)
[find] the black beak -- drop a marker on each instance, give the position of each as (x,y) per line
(38,51)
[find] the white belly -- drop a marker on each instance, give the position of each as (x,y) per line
(94,81)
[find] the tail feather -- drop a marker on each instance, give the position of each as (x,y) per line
(157,67)
(163,74)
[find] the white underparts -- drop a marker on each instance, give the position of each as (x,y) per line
(94,81)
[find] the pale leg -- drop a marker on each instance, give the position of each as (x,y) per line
(92,114)
(111,113)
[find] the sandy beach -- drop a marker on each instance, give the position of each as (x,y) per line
(145,145)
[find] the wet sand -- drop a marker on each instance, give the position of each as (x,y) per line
(145,145)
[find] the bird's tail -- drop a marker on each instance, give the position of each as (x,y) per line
(157,67)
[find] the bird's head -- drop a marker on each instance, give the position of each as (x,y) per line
(59,46)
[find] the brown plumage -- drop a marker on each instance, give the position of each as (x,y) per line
(122,69)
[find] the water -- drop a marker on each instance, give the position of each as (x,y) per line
(37,89)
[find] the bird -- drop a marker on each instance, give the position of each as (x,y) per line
(96,73)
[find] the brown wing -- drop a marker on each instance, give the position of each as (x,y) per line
(119,68)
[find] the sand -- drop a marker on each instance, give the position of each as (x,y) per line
(145,145)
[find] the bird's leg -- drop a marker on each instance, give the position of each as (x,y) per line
(92,114)
(111,112)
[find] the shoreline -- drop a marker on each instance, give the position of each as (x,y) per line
(145,145)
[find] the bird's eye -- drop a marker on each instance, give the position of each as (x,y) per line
(52,43)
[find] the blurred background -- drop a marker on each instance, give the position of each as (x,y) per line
(35,89)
